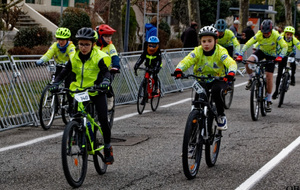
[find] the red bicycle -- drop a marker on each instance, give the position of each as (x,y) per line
(146,91)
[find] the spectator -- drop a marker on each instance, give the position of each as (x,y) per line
(151,29)
(248,32)
(189,37)
(234,29)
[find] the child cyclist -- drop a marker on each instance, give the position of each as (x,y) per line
(152,55)
(104,43)
(212,59)
(292,42)
(89,66)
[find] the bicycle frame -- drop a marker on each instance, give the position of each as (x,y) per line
(150,85)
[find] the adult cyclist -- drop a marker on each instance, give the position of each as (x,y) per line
(227,39)
(104,43)
(89,66)
(212,59)
(292,42)
(267,40)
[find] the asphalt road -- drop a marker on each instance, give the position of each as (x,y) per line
(147,150)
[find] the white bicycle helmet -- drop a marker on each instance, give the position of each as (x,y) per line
(208,31)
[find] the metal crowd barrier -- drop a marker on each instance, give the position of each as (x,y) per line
(22,82)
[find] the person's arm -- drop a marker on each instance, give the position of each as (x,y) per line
(189,60)
(296,42)
(248,44)
(50,53)
(104,72)
(64,73)
(283,46)
(236,44)
(140,60)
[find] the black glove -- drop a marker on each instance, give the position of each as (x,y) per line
(104,84)
(54,87)
(178,73)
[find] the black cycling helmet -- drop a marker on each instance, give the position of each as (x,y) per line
(208,31)
(221,25)
(266,26)
(86,34)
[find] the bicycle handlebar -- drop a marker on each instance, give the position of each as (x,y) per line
(259,62)
(200,77)
(145,69)
(90,89)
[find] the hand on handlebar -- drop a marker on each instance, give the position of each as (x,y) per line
(54,87)
(229,77)
(278,59)
(239,58)
(178,73)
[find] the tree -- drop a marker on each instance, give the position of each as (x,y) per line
(288,13)
(243,14)
(114,20)
(194,11)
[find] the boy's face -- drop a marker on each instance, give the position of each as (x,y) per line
(152,48)
(62,42)
(288,35)
(85,46)
(207,42)
(266,35)
(107,38)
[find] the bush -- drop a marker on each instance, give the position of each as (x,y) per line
(54,17)
(74,19)
(20,50)
(30,37)
(174,43)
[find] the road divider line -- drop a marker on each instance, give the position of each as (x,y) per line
(256,177)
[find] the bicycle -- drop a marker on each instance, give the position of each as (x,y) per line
(146,91)
(228,95)
(51,103)
(82,137)
(285,81)
(200,130)
(258,88)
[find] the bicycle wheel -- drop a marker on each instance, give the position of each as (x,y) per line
(142,97)
(74,154)
(282,89)
(98,157)
(254,103)
(228,95)
(64,109)
(192,145)
(156,98)
(213,143)
(263,95)
(47,108)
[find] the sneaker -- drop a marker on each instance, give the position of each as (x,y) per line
(275,95)
(222,123)
(269,107)
(248,86)
(108,156)
(110,103)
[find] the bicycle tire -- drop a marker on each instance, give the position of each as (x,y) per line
(64,109)
(192,145)
(254,103)
(228,96)
(47,108)
(263,95)
(98,157)
(155,99)
(283,89)
(74,154)
(213,143)
(142,95)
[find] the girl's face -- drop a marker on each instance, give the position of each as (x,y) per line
(208,43)
(62,42)
(107,38)
(85,46)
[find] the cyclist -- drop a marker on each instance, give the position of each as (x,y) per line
(267,40)
(292,42)
(105,44)
(89,66)
(227,38)
(152,55)
(212,59)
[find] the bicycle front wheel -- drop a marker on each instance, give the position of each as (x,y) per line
(212,145)
(47,108)
(98,157)
(283,89)
(228,96)
(74,154)
(64,109)
(263,94)
(156,98)
(192,145)
(254,103)
(142,97)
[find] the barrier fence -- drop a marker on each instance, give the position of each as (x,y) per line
(22,82)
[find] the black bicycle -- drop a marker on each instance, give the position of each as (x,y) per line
(228,95)
(200,130)
(285,80)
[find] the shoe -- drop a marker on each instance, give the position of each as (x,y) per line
(248,86)
(108,156)
(155,92)
(275,95)
(269,107)
(293,80)
(222,123)
(143,102)
(110,103)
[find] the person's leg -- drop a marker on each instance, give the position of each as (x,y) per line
(279,75)
(250,71)
(293,68)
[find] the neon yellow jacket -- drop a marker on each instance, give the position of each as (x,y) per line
(291,45)
(216,64)
(110,50)
(59,57)
(229,39)
(267,45)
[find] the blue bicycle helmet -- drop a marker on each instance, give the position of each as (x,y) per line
(153,40)
(221,25)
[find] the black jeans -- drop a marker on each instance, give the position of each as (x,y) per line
(281,66)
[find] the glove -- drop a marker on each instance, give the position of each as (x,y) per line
(104,84)
(292,54)
(54,87)
(114,70)
(178,73)
(229,77)
(39,62)
(278,59)
(239,58)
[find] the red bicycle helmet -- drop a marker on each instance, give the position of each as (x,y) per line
(105,29)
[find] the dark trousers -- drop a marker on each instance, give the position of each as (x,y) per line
(281,66)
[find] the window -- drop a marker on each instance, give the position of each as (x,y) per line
(81,1)
(58,3)
(30,1)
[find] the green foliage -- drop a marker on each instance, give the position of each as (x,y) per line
(165,27)
(33,36)
(132,26)
(74,19)
(280,16)
(52,16)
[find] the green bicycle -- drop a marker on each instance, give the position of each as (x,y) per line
(82,137)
